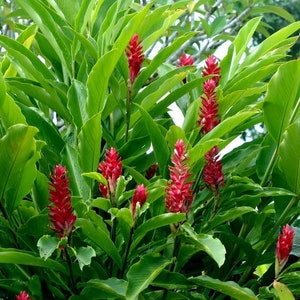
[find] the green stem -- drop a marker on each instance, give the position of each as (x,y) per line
(128,109)
(69,262)
(269,167)
(127,252)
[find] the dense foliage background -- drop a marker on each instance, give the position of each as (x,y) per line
(65,99)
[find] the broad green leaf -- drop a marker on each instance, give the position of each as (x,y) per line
(230,214)
(10,112)
(229,288)
(109,288)
(100,238)
(155,223)
(19,153)
(89,145)
(217,25)
(142,273)
(84,256)
(275,9)
(283,291)
(83,15)
(48,24)
(271,43)
(78,185)
(289,158)
(13,256)
(47,245)
(77,96)
(159,144)
(207,243)
(280,98)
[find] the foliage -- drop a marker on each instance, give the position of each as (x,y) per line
(64,99)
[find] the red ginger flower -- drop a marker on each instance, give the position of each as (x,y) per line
(135,57)
(212,68)
(139,196)
(23,296)
(185,60)
(284,247)
(208,117)
(212,171)
(61,212)
(179,191)
(111,169)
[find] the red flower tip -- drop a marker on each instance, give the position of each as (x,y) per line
(208,116)
(139,196)
(111,169)
(179,191)
(212,172)
(284,245)
(135,57)
(23,296)
(185,60)
(151,171)
(212,68)
(61,212)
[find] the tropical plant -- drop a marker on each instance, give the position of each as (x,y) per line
(102,196)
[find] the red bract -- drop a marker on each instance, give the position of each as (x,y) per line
(179,191)
(111,169)
(23,296)
(208,117)
(284,246)
(151,171)
(212,171)
(135,57)
(212,68)
(185,60)
(139,196)
(61,212)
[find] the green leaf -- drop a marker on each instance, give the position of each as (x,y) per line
(229,288)
(289,158)
(84,256)
(230,214)
(142,273)
(155,223)
(13,256)
(283,291)
(78,185)
(19,153)
(280,98)
(96,176)
(100,238)
(10,113)
(77,96)
(89,145)
(109,288)
(160,146)
(47,245)
(217,25)
(207,243)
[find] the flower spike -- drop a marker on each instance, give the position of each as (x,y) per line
(111,169)
(139,196)
(61,212)
(185,60)
(23,296)
(135,57)
(179,191)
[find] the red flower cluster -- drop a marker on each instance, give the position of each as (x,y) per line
(139,196)
(208,117)
(23,296)
(185,60)
(135,57)
(61,212)
(151,171)
(284,247)
(111,169)
(179,191)
(212,171)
